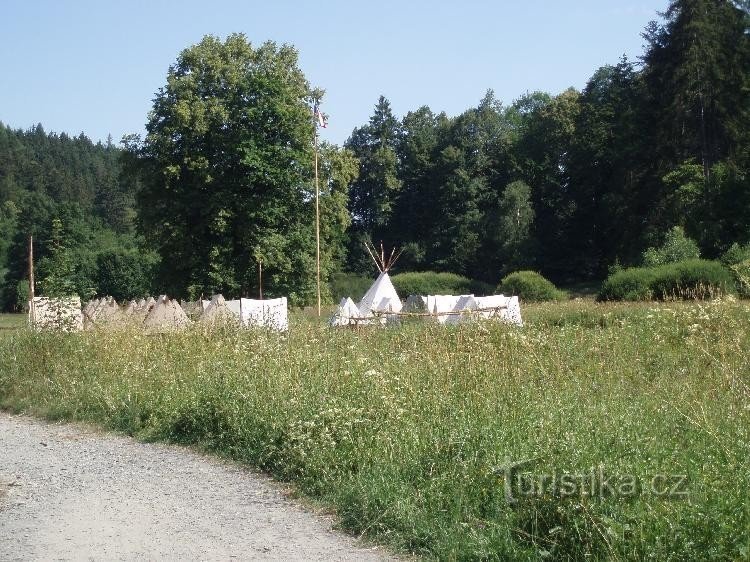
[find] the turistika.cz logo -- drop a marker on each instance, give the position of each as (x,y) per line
(520,482)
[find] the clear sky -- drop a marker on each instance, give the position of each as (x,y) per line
(94,66)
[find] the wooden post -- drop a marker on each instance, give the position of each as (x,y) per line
(260,279)
(317,206)
(32,312)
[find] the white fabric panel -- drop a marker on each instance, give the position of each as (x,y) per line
(510,311)
(440,304)
(235,307)
(56,314)
(271,313)
(416,303)
(513,313)
(464,302)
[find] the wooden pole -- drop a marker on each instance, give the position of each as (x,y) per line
(317,206)
(260,279)
(32,312)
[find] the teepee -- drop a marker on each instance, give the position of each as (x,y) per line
(381,296)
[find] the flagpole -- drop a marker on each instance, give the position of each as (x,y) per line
(32,307)
(317,206)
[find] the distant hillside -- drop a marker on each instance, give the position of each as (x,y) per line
(46,176)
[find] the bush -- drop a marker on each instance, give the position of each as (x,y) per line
(736,254)
(530,286)
(741,273)
(434,283)
(344,285)
(631,284)
(677,247)
(689,279)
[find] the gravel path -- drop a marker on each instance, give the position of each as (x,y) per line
(68,492)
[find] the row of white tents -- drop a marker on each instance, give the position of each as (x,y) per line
(162,314)
(381,304)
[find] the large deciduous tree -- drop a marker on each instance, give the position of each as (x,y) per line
(226,167)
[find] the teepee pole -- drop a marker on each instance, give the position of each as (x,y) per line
(317,211)
(32,308)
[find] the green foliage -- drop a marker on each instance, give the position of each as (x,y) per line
(227,173)
(565,183)
(56,271)
(404,433)
(630,284)
(43,177)
(676,247)
(689,279)
(434,283)
(530,286)
(741,272)
(735,254)
(22,295)
(377,185)
(125,275)
(352,285)
(737,259)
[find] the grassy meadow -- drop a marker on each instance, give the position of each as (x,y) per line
(12,321)
(408,433)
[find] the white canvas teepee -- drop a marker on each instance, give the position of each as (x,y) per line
(380,297)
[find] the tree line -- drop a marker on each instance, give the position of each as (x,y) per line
(574,183)
(222,183)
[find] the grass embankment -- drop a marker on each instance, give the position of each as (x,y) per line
(403,430)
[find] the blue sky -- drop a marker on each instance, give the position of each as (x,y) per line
(93,66)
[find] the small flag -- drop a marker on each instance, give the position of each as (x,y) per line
(322,121)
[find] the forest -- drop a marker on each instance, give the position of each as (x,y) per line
(573,184)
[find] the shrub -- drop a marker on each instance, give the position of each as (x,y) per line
(676,247)
(689,279)
(741,273)
(344,285)
(736,254)
(631,284)
(434,283)
(530,286)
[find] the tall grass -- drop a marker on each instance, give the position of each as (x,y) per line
(403,430)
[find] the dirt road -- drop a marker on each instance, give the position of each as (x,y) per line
(71,493)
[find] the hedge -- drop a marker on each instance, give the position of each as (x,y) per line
(530,286)
(689,279)
(434,283)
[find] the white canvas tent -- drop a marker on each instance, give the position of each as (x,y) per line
(166,315)
(455,309)
(415,303)
(500,306)
(56,314)
(269,313)
(235,307)
(442,305)
(380,297)
(217,312)
(346,314)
